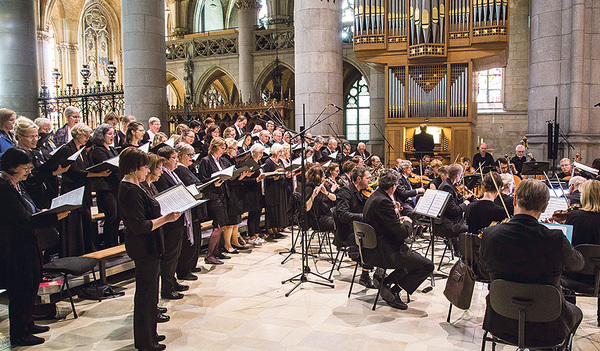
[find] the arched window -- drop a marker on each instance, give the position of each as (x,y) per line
(208,16)
(96,38)
(358,112)
(347,20)
(263,14)
(489,89)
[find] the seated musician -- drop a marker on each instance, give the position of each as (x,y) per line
(481,213)
(526,251)
(483,158)
(453,221)
(466,163)
(567,170)
(383,214)
(350,203)
(520,158)
(574,192)
(424,167)
(506,189)
(435,166)
(404,192)
(504,167)
(319,200)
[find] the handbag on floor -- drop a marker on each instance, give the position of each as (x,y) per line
(461,280)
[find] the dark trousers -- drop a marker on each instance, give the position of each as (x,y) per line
(413,271)
(188,258)
(23,278)
(145,301)
(107,203)
(254,222)
(173,233)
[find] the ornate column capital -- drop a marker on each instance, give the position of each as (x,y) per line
(246,4)
(43,35)
(67,47)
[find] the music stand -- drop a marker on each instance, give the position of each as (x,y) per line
(488,169)
(535,168)
(472,181)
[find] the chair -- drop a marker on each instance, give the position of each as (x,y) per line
(436,225)
(588,283)
(539,303)
(74,266)
(338,243)
(365,238)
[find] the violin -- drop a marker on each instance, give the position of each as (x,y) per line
(417,179)
(366,192)
(505,220)
(560,216)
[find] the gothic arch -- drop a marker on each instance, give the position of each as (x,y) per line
(264,80)
(223,83)
(352,72)
(114,33)
(175,90)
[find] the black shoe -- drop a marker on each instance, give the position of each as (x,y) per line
(162,318)
(196,269)
(187,276)
(36,329)
(154,347)
(181,287)
(161,309)
(212,260)
(392,299)
(222,257)
(279,236)
(239,247)
(28,340)
(173,295)
(160,338)
(232,252)
(366,281)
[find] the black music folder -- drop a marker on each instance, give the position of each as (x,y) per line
(111,164)
(54,161)
(66,202)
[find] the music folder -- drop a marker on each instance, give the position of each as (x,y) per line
(111,164)
(432,203)
(567,229)
(555,203)
(66,202)
(224,174)
(177,199)
(54,161)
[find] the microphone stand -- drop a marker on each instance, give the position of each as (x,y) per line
(303,277)
(336,136)
(390,147)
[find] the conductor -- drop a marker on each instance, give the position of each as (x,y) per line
(423,142)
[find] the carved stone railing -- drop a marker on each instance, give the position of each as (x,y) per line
(202,46)
(270,40)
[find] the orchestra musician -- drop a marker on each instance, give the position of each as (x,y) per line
(383,214)
(521,158)
(466,163)
(506,189)
(524,250)
(574,196)
(345,178)
(404,192)
(483,158)
(442,174)
(567,170)
(319,201)
(503,167)
(453,222)
(481,213)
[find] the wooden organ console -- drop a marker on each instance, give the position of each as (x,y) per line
(429,49)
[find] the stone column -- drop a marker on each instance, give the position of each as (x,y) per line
(246,21)
(144,60)
(18,57)
(565,56)
(318,61)
(376,144)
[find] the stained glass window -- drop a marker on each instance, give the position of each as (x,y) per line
(263,14)
(347,20)
(96,48)
(489,86)
(358,113)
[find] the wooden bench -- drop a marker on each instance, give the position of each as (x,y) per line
(102,255)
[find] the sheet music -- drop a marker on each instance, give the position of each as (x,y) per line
(170,142)
(73,197)
(204,185)
(432,203)
(176,199)
(585,168)
(193,189)
(56,150)
(226,173)
(145,148)
(326,164)
(554,204)
(567,229)
(75,155)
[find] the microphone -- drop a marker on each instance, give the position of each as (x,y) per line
(597,105)
(330,123)
(339,108)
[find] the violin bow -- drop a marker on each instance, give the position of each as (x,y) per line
(499,193)
(561,188)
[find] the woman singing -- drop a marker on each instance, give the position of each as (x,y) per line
(275,194)
(7,123)
(20,261)
(253,198)
(142,219)
(134,134)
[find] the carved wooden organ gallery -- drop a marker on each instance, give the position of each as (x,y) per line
(430,50)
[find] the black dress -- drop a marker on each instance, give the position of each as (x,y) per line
(217,206)
(275,197)
(253,201)
(106,190)
(481,213)
(78,234)
(234,194)
(143,245)
(20,261)
(586,227)
(320,216)
(41,184)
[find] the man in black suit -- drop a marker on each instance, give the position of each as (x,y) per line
(349,207)
(361,151)
(332,145)
(410,268)
(525,251)
(405,193)
(239,126)
(423,142)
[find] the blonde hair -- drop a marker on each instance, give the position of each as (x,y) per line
(80,129)
(22,125)
(590,195)
(435,163)
(231,143)
(159,138)
(532,195)
(216,143)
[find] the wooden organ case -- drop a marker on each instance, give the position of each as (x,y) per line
(429,49)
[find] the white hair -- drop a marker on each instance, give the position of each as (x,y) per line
(577,181)
(276,148)
(42,121)
(257,147)
(152,120)
(520,147)
(70,110)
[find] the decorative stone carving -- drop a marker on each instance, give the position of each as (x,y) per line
(188,68)
(246,4)
(67,47)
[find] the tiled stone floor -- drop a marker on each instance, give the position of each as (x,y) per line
(241,306)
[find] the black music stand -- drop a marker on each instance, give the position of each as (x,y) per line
(471,181)
(535,168)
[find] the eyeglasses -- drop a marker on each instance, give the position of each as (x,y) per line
(26,168)
(31,137)
(190,155)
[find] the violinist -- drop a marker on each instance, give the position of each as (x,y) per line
(574,193)
(483,212)
(521,158)
(506,188)
(319,200)
(331,173)
(424,166)
(453,222)
(442,174)
(466,163)
(404,193)
(567,171)
(435,167)
(503,167)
